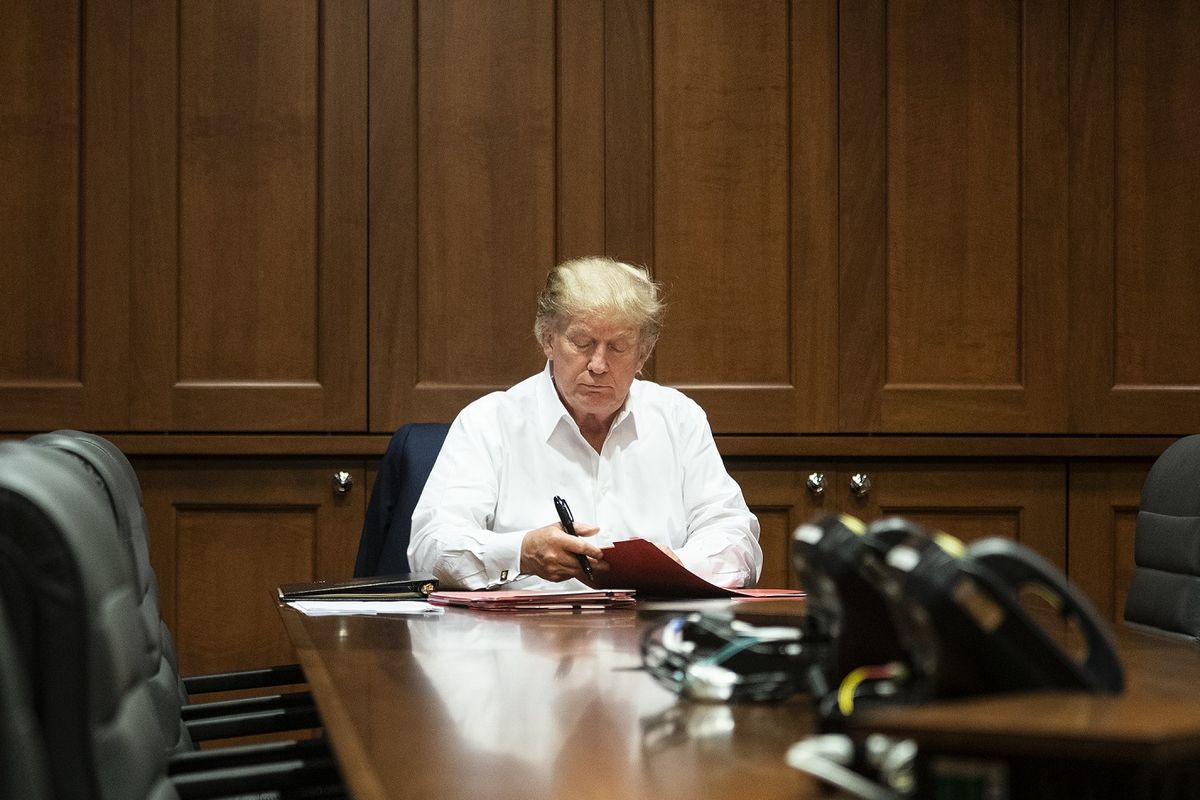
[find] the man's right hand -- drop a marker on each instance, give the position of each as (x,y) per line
(550,552)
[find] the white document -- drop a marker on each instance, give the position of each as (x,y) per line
(319,608)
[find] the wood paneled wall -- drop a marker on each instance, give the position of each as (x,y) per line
(962,223)
(883,217)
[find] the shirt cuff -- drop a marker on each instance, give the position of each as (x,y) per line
(702,565)
(502,559)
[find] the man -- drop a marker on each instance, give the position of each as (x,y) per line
(634,459)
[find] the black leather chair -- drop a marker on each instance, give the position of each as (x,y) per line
(24,770)
(1165,591)
(66,569)
(184,721)
(383,546)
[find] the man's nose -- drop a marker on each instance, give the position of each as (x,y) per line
(598,363)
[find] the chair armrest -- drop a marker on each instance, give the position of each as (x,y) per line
(247,755)
(274,720)
(282,675)
(245,705)
(318,777)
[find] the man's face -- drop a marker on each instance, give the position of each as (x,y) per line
(594,362)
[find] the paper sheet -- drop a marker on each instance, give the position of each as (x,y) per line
(319,608)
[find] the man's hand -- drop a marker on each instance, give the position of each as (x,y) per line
(550,552)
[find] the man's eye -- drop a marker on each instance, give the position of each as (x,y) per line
(581,344)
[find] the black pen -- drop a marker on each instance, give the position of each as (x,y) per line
(568,523)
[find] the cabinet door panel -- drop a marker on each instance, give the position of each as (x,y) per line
(777,495)
(465,139)
(1136,197)
(250,200)
(1104,506)
(744,178)
(1024,502)
(225,534)
(64,206)
(698,139)
(953,216)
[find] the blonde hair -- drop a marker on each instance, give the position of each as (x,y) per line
(600,286)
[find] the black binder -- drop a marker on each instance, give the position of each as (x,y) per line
(378,587)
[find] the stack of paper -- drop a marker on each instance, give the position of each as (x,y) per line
(339,608)
(536,600)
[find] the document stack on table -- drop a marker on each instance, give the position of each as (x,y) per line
(536,600)
(381,594)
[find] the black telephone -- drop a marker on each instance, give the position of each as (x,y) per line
(958,610)
(915,615)
(844,604)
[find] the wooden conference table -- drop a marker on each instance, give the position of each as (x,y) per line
(475,704)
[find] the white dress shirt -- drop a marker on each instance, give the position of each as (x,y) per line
(658,477)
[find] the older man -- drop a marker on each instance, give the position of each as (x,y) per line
(634,459)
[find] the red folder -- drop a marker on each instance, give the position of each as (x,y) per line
(535,599)
(639,564)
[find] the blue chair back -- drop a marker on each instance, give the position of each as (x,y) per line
(383,546)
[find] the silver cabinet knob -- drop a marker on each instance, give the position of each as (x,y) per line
(860,484)
(815,484)
(342,482)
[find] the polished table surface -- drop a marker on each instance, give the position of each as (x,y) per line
(473,704)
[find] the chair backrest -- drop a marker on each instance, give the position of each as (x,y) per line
(23,765)
(86,661)
(124,493)
(383,546)
(1165,590)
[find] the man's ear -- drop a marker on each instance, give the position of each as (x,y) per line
(548,345)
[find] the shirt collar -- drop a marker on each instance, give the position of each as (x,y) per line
(551,412)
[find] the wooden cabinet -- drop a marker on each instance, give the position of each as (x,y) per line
(224,533)
(184,216)
(487,153)
(969,500)
(1103,514)
(953,214)
(249,197)
(934,217)
(932,220)
(64,215)
(1134,204)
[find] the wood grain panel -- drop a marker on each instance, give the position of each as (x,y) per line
(248,150)
(1025,502)
(953,271)
(249,282)
(477,228)
(1104,500)
(1134,243)
(225,533)
(953,293)
(64,204)
(581,128)
(486,181)
(227,555)
(721,190)
(775,493)
(744,181)
(629,122)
